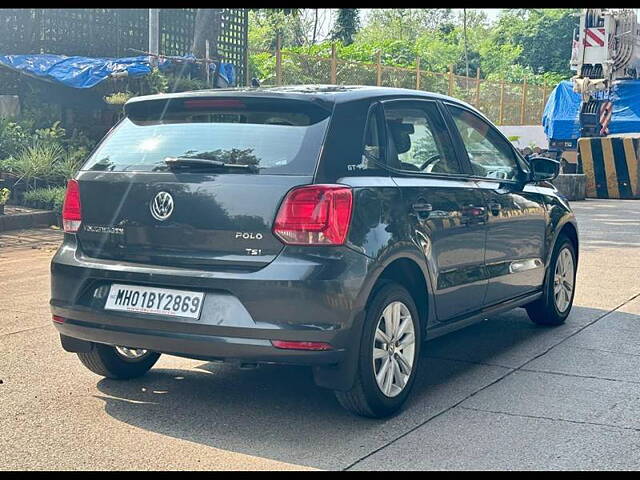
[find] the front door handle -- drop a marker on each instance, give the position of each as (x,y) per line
(422,207)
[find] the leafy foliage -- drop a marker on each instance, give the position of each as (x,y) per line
(405,24)
(118,98)
(524,43)
(5,193)
(50,198)
(37,162)
(347,25)
(545,36)
(12,137)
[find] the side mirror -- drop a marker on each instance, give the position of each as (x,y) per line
(543,168)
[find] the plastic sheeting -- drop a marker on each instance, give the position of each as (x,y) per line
(227,71)
(626,108)
(87,72)
(561,116)
(77,72)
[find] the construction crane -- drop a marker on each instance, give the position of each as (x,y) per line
(606,50)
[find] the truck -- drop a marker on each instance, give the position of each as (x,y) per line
(605,56)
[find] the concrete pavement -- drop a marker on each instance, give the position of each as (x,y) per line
(501,394)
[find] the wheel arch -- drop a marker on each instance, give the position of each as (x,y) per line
(570,230)
(406,270)
(566,226)
(401,265)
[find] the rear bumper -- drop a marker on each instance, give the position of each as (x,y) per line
(196,345)
(298,297)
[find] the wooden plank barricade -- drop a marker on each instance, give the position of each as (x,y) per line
(611,166)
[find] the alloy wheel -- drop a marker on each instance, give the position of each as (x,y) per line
(563,280)
(394,349)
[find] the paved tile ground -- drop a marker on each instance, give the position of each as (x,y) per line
(502,394)
(31,238)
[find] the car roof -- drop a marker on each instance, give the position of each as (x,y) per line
(324,93)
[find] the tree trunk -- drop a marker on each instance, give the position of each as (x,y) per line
(208,25)
(466,52)
(315,27)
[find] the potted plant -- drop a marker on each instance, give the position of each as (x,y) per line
(5,193)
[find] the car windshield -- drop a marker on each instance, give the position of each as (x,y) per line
(274,141)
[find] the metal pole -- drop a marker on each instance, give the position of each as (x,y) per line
(450,89)
(523,102)
(501,117)
(334,65)
(477,105)
(278,62)
(206,63)
(154,35)
(417,73)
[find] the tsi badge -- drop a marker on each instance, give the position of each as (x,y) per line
(250,236)
(162,206)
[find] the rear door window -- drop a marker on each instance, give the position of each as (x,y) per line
(278,137)
(418,139)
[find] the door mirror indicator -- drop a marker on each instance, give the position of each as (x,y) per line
(543,168)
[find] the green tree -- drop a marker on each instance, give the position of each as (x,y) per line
(265,24)
(346,26)
(405,24)
(545,36)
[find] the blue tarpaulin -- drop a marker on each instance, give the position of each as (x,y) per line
(77,72)
(87,72)
(227,71)
(561,117)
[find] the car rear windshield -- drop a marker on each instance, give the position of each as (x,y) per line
(276,137)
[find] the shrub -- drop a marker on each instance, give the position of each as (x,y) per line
(53,134)
(12,138)
(37,163)
(118,98)
(184,84)
(5,193)
(50,198)
(66,167)
(156,81)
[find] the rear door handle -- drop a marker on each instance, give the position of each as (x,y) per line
(495,208)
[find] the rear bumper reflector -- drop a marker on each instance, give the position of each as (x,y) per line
(58,319)
(291,345)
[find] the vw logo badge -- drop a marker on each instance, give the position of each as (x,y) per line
(162,206)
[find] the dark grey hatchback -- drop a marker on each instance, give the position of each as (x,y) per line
(330,226)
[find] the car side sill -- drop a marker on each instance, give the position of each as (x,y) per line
(479,315)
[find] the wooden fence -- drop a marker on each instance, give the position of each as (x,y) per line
(503,102)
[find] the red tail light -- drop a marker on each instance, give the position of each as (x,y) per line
(71,211)
(288,345)
(315,215)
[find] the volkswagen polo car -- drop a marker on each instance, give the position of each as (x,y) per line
(333,227)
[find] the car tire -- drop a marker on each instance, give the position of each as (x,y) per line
(390,305)
(107,361)
(555,304)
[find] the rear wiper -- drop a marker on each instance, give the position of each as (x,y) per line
(205,162)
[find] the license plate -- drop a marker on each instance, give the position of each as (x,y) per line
(159,301)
